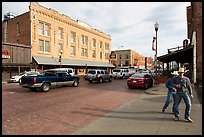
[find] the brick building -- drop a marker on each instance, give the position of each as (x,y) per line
(56,40)
(194,23)
(131,58)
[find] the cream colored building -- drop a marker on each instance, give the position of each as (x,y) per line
(78,44)
(52,36)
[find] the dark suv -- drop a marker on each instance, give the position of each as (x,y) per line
(98,75)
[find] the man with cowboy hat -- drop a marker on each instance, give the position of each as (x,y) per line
(183,90)
(171,91)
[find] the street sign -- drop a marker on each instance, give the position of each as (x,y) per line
(113,56)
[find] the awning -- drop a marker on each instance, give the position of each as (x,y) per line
(70,62)
(181,56)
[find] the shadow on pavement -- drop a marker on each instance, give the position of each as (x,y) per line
(131,117)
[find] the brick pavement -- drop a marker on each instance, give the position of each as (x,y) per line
(142,116)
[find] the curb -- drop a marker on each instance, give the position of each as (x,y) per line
(156,90)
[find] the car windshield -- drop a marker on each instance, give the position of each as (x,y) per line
(137,76)
(92,72)
(116,70)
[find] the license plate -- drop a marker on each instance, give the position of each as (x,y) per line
(90,79)
(134,81)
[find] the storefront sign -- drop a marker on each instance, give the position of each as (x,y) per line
(113,56)
(5,54)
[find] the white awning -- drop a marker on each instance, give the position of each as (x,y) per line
(70,62)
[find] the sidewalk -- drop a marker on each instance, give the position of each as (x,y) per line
(142,116)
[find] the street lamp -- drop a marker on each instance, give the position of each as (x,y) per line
(120,47)
(156,26)
(60,58)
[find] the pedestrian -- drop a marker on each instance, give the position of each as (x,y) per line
(183,90)
(171,91)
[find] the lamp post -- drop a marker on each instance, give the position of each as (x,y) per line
(60,58)
(156,26)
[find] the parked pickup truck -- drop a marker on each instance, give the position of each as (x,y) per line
(49,78)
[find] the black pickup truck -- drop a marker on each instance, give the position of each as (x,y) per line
(49,78)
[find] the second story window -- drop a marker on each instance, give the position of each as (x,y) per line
(40,28)
(47,46)
(18,28)
(73,36)
(60,48)
(126,56)
(82,52)
(106,55)
(72,52)
(101,55)
(85,53)
(60,33)
(44,46)
(106,46)
(93,53)
(41,45)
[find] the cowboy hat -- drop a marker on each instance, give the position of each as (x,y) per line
(181,70)
(175,73)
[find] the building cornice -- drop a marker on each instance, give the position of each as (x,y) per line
(50,13)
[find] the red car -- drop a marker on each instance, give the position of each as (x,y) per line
(130,74)
(140,80)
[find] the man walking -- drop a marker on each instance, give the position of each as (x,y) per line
(171,92)
(183,90)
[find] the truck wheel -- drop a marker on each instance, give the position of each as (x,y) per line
(75,84)
(101,80)
(20,81)
(45,87)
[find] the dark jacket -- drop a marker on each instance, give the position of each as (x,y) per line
(170,84)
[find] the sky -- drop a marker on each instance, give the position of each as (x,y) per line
(130,24)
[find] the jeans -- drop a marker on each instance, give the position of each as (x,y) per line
(170,94)
(187,101)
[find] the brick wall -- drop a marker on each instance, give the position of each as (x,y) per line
(198,28)
(194,23)
(24,26)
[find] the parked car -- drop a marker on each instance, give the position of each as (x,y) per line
(140,80)
(98,75)
(145,71)
(17,78)
(120,73)
(130,74)
(69,70)
(49,78)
